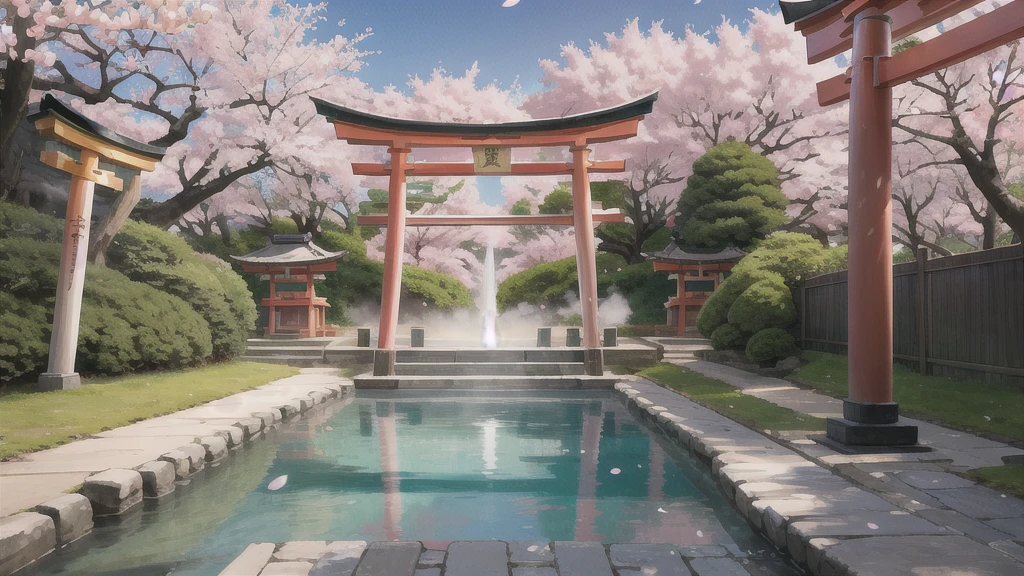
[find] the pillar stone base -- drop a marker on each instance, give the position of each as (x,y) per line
(593,360)
(870,424)
(57,381)
(383,362)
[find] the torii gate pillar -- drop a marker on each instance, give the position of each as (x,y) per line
(586,264)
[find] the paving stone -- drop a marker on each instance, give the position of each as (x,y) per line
(928,480)
(304,403)
(331,564)
(428,572)
(233,435)
(216,447)
(661,559)
(287,569)
(1012,526)
(530,551)
(706,551)
(1010,548)
(157,478)
(581,559)
(251,561)
(815,553)
(534,571)
(301,550)
(289,410)
(181,462)
(268,418)
(984,532)
(717,567)
(980,502)
(71,514)
(196,456)
(251,427)
(25,537)
(430,558)
(477,558)
(917,555)
(113,492)
(318,397)
(390,559)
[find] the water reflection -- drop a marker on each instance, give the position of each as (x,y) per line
(389,467)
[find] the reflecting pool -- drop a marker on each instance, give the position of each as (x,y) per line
(429,467)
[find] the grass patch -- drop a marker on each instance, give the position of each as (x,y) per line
(36,420)
(985,408)
(728,401)
(1008,478)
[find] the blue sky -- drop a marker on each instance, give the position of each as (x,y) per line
(416,36)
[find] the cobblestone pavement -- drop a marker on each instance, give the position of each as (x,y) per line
(485,558)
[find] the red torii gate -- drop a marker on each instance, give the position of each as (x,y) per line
(491,144)
(870,417)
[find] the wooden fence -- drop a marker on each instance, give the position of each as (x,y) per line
(967,322)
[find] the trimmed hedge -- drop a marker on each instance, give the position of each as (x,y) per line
(771,344)
(147,254)
(727,336)
(765,304)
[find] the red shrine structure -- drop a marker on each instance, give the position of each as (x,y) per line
(698,274)
(869,27)
(492,156)
(291,262)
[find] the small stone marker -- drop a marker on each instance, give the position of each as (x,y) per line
(418,337)
(572,337)
(543,337)
(23,538)
(113,492)
(71,514)
(363,337)
(611,337)
(157,478)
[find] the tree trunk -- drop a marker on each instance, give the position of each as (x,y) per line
(114,219)
(225,230)
(17,81)
(990,225)
(989,181)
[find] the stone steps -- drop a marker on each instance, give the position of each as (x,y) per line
(289,342)
(485,382)
(296,361)
(489,369)
(304,351)
(453,355)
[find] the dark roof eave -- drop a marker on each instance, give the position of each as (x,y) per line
(51,106)
(262,261)
(625,111)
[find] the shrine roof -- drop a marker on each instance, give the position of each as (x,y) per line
(676,254)
(290,250)
(595,118)
(51,106)
(793,12)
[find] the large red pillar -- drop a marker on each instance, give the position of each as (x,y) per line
(394,253)
(586,257)
(869,414)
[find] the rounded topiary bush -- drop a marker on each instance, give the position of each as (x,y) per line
(715,312)
(767,303)
(727,336)
(771,344)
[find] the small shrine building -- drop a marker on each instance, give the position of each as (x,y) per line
(291,262)
(698,273)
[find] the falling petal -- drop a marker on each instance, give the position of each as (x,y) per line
(583,451)
(639,465)
(872,525)
(986,417)
(328,428)
(278,483)
(532,548)
(662,510)
(615,471)
(700,534)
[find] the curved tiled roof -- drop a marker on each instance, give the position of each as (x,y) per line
(290,250)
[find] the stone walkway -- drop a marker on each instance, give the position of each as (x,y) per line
(43,475)
(922,484)
(483,558)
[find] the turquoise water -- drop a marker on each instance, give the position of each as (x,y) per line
(554,466)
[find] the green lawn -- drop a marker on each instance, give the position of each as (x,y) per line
(728,401)
(1008,478)
(988,409)
(36,420)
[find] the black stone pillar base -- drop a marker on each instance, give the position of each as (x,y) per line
(593,359)
(383,362)
(55,381)
(870,424)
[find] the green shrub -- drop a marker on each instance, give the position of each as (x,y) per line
(727,336)
(545,283)
(767,303)
(24,337)
(21,222)
(793,255)
(771,344)
(147,254)
(124,326)
(645,290)
(715,312)
(734,197)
